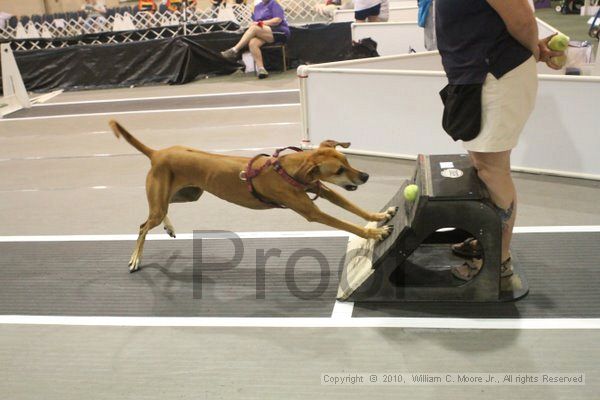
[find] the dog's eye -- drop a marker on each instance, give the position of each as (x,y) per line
(340,171)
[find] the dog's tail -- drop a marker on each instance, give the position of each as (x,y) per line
(120,131)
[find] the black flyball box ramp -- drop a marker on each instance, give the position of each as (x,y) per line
(413,263)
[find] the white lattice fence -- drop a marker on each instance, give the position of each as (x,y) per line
(297,12)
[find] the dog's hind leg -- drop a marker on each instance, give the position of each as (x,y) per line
(168,226)
(154,219)
(157,191)
(183,195)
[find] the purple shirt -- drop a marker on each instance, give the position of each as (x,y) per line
(272,9)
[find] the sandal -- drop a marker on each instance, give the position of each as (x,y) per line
(466,249)
(467,271)
(506,268)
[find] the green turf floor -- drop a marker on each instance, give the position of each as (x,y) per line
(574,26)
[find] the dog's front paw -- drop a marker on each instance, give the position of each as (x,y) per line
(134,264)
(380,233)
(385,216)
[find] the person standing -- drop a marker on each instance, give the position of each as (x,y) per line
(367,10)
(489,50)
(427,22)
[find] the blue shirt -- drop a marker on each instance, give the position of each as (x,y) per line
(272,9)
(474,41)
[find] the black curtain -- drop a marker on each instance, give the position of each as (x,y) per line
(175,60)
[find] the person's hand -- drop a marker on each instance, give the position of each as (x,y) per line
(545,54)
(536,53)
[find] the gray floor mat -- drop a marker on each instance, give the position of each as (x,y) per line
(92,278)
(563,270)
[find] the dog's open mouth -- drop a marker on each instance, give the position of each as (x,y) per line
(350,188)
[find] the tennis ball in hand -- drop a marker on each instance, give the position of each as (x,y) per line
(411,192)
(559,42)
(560,61)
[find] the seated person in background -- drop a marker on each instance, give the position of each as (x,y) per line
(367,10)
(269,26)
(174,5)
(93,9)
(216,4)
(177,5)
(147,5)
(327,8)
(95,14)
(4,18)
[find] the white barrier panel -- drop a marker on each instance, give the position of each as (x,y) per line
(430,61)
(15,95)
(596,68)
(392,37)
(398,113)
(397,14)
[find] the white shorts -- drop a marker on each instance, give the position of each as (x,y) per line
(506,105)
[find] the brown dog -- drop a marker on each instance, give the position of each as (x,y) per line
(180,174)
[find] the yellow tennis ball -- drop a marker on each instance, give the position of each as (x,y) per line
(561,61)
(559,42)
(411,192)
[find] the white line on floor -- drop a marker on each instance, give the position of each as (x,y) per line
(260,234)
(152,111)
(197,130)
(342,310)
(180,236)
(341,316)
(557,229)
(185,96)
(420,323)
(103,155)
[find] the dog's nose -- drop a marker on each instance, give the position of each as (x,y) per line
(364,177)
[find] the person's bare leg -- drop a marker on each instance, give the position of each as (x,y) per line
(246,37)
(373,18)
(265,34)
(494,170)
(254,46)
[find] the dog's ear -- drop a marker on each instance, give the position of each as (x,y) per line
(334,143)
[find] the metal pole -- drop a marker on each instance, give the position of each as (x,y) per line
(185,6)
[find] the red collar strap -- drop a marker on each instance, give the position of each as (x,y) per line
(250,173)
